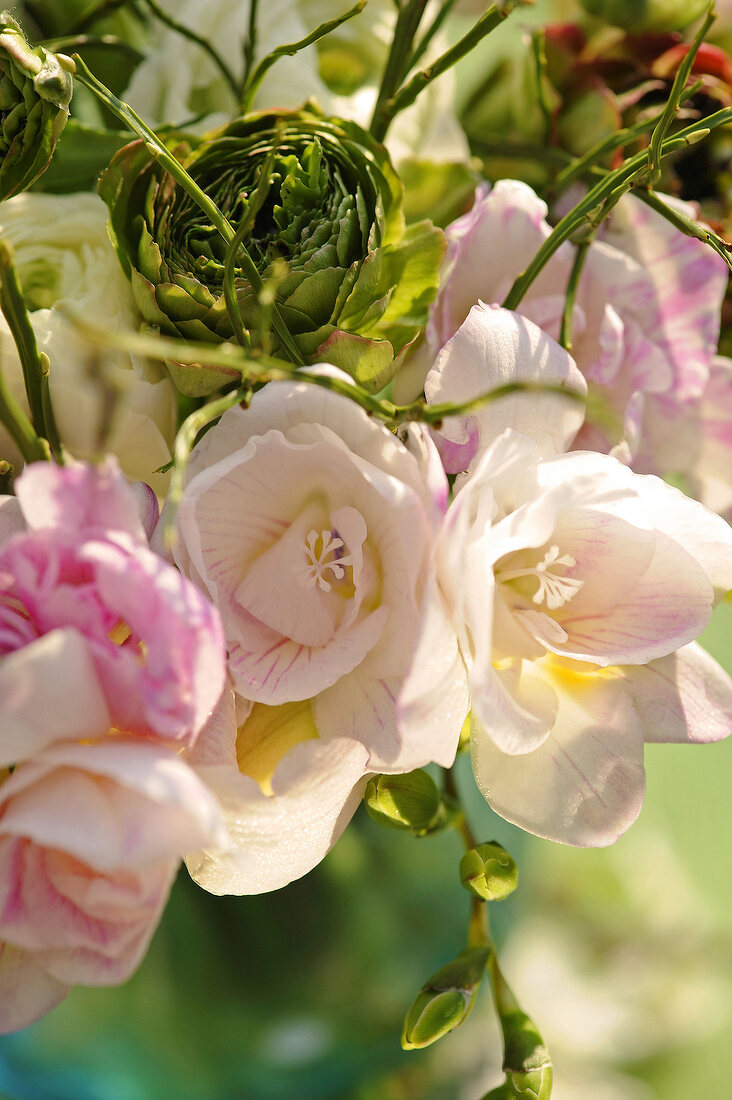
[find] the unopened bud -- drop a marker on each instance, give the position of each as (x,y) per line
(410,801)
(488,872)
(445,1000)
(526,1061)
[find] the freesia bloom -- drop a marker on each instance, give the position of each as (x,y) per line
(93,823)
(646,319)
(84,563)
(576,588)
(110,661)
(311,527)
(65,260)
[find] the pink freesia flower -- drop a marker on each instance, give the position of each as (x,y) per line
(646,318)
(311,526)
(84,563)
(92,828)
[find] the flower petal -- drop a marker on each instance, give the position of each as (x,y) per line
(27,991)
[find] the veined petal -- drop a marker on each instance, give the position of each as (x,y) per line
(685,697)
(585,784)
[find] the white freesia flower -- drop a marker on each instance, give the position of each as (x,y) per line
(311,527)
(65,260)
(576,588)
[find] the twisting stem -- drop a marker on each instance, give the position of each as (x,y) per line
(202,43)
(255,78)
(565,331)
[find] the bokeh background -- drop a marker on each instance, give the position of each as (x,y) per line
(623,956)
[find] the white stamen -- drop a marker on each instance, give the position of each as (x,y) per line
(317,564)
(555,590)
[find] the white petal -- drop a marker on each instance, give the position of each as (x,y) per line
(282,836)
(494,347)
(585,784)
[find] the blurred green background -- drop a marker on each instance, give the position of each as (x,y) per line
(623,956)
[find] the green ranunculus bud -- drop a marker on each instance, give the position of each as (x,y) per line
(356,282)
(445,1000)
(35,92)
(646,15)
(488,872)
(409,802)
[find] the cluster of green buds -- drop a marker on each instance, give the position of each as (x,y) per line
(35,92)
(321,240)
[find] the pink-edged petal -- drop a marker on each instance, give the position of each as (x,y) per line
(585,784)
(703,534)
(282,836)
(11,519)
(494,347)
(49,691)
(27,991)
(79,498)
(145,802)
(685,697)
(669,606)
(147,506)
(690,283)
(489,246)
(81,926)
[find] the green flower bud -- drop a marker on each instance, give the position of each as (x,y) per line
(357,282)
(445,1001)
(526,1061)
(410,801)
(488,872)
(646,15)
(35,92)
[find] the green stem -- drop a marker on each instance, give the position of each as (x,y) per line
(73,42)
(397,64)
(255,79)
(198,40)
(409,93)
(250,42)
(565,331)
(49,419)
(19,427)
(421,48)
(538,53)
(15,313)
(173,167)
(675,96)
(686,225)
(610,187)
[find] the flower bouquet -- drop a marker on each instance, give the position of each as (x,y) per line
(362,411)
